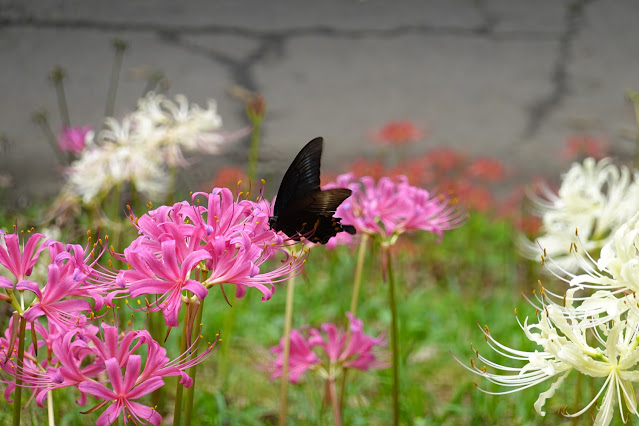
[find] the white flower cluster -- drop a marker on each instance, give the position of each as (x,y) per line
(592,329)
(140,149)
(594,199)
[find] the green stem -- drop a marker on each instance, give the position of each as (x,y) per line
(157,333)
(359,267)
(179,390)
(41,119)
(57,76)
(17,402)
(170,196)
(634,97)
(50,410)
(120,47)
(361,255)
(288,319)
(188,411)
(394,346)
(254,150)
(334,402)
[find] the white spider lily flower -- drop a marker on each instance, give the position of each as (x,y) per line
(609,352)
(184,127)
(101,168)
(594,198)
(616,270)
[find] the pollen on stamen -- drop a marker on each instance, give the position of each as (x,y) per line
(515,311)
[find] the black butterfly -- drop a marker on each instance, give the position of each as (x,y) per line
(302,209)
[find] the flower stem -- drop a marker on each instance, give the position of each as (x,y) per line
(57,76)
(40,118)
(17,401)
(634,97)
(394,346)
(288,318)
(179,390)
(254,150)
(359,267)
(334,402)
(50,411)
(119,46)
(188,410)
(170,196)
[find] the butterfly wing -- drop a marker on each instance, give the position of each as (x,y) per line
(302,176)
(312,216)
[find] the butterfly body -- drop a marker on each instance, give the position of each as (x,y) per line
(301,208)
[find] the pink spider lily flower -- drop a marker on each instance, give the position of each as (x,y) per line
(20,263)
(235,233)
(158,364)
(390,207)
(301,357)
(349,350)
(341,350)
(125,390)
(114,345)
(65,314)
(240,241)
(165,277)
(74,139)
(74,259)
(67,360)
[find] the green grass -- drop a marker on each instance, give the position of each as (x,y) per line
(445,289)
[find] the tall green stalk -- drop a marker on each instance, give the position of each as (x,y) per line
(119,46)
(634,98)
(254,151)
(188,410)
(386,251)
(357,281)
(57,76)
(179,390)
(288,319)
(332,391)
(50,409)
(359,267)
(17,397)
(41,119)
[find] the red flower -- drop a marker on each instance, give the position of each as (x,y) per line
(398,133)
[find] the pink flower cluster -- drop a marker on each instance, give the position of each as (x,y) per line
(390,207)
(182,251)
(225,240)
(72,272)
(89,359)
(338,350)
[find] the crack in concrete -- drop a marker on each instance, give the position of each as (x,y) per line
(240,72)
(483,29)
(560,79)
